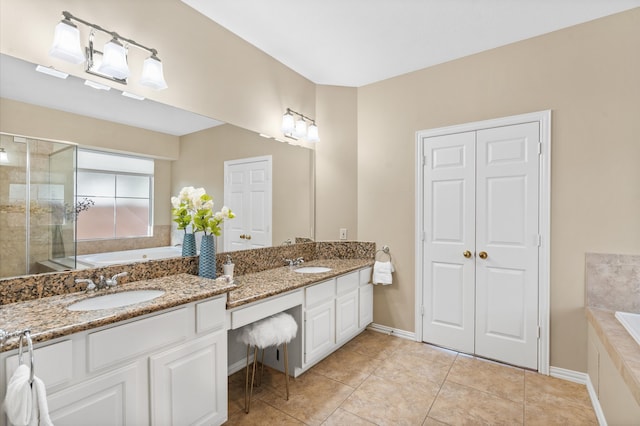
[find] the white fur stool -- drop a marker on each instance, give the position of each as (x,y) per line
(275,330)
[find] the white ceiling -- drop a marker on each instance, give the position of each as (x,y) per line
(357,42)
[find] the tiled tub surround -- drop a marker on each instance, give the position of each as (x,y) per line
(40,304)
(246,262)
(613,284)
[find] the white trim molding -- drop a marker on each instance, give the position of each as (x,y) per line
(583,379)
(544,224)
(392,331)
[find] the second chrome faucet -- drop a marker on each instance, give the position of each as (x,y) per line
(102,282)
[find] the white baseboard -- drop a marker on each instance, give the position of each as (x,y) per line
(392,331)
(583,379)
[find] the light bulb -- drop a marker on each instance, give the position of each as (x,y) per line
(66,43)
(152,75)
(288,125)
(312,133)
(114,60)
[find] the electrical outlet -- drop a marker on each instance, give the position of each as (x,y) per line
(343,233)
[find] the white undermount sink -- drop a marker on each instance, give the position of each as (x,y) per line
(115,300)
(312,269)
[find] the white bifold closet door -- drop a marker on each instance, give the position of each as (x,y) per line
(481,242)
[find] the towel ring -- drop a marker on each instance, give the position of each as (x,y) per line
(384,250)
(27,335)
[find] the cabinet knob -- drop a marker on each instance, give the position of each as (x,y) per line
(467,254)
(483,255)
(242,236)
(248,237)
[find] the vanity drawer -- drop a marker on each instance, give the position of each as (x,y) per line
(347,283)
(259,310)
(53,363)
(319,293)
(210,315)
(106,347)
(365,275)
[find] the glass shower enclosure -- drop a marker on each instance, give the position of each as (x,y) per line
(37,206)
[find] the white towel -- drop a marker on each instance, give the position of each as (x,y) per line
(24,404)
(382,272)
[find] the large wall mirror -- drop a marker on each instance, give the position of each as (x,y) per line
(57,115)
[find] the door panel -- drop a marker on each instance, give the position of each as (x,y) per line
(507,214)
(248,195)
(449,288)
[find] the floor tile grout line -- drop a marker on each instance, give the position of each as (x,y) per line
(440,388)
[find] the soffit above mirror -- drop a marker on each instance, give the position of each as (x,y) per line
(20,81)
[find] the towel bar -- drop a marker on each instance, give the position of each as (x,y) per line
(384,250)
(26,335)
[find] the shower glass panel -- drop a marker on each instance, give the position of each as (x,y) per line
(37,206)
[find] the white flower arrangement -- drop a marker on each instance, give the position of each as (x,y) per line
(193,206)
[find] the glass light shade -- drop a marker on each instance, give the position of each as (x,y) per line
(4,158)
(152,75)
(312,133)
(301,129)
(66,43)
(288,125)
(114,60)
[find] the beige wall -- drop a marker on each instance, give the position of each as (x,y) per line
(38,122)
(209,70)
(201,164)
(336,163)
(589,76)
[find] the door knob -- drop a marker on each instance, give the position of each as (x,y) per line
(483,255)
(467,254)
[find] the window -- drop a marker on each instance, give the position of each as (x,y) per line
(121,189)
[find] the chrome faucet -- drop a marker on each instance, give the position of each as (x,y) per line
(90,285)
(294,262)
(111,282)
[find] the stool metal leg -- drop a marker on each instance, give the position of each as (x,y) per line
(286,369)
(246,382)
(253,375)
(261,369)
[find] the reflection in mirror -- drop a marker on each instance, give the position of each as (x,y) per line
(37,210)
(203,148)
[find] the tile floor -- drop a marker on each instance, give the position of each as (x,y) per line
(377,379)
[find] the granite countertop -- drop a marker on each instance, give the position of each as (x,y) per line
(260,285)
(621,347)
(48,317)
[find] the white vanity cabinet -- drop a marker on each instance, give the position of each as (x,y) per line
(167,368)
(365,291)
(334,312)
(319,320)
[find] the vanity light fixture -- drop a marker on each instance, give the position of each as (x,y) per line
(110,63)
(301,128)
(4,158)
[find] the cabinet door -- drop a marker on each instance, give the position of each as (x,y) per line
(366,306)
(189,383)
(319,330)
(346,316)
(109,399)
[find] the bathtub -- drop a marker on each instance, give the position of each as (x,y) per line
(631,322)
(129,256)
